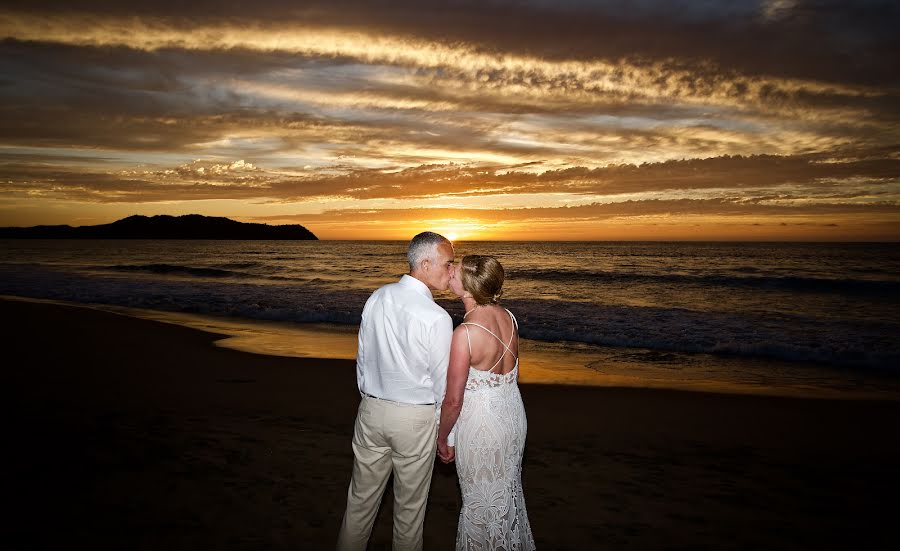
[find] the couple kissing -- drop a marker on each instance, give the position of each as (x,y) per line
(427,389)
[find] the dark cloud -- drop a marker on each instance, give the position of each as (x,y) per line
(830,40)
(737,173)
(750,179)
(118,95)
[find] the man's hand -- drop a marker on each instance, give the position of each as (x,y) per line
(446,453)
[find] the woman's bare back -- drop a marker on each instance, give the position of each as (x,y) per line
(490,330)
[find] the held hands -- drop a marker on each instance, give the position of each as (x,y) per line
(446,453)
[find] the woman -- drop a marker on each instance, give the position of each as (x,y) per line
(484,409)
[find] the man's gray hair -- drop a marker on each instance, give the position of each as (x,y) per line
(423,247)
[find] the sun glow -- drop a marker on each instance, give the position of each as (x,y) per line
(458,230)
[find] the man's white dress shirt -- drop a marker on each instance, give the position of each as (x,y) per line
(404,344)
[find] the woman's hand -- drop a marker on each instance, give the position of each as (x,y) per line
(446,453)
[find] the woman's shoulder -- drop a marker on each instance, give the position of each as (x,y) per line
(461,328)
(502,314)
(493,319)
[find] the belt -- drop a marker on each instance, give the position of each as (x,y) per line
(393,401)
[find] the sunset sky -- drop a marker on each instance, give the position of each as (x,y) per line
(540,119)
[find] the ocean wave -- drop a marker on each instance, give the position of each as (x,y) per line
(174,269)
(218,273)
(275,302)
(790,283)
(244,265)
(798,338)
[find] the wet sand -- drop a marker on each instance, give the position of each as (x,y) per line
(136,434)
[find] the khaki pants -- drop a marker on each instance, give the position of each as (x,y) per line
(389,436)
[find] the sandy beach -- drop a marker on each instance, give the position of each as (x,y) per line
(135,434)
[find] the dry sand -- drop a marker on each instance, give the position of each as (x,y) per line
(134,434)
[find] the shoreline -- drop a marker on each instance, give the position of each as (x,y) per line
(132,433)
(562,363)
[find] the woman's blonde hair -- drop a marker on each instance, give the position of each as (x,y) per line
(483,277)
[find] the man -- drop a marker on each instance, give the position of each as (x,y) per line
(401,371)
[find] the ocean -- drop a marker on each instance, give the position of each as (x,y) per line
(818,319)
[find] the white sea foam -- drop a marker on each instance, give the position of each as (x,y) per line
(800,336)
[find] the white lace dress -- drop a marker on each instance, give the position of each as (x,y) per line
(490,440)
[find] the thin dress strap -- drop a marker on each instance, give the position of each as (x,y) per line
(506,346)
(515,322)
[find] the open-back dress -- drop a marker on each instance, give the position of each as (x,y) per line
(490,440)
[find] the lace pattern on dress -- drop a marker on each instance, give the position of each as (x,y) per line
(479,379)
(490,441)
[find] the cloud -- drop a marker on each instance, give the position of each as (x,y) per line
(389,116)
(156,82)
(827,40)
(685,218)
(759,104)
(633,73)
(750,177)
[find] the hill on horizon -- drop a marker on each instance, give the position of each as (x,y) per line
(164,226)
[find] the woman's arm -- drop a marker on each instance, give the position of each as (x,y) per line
(457,374)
